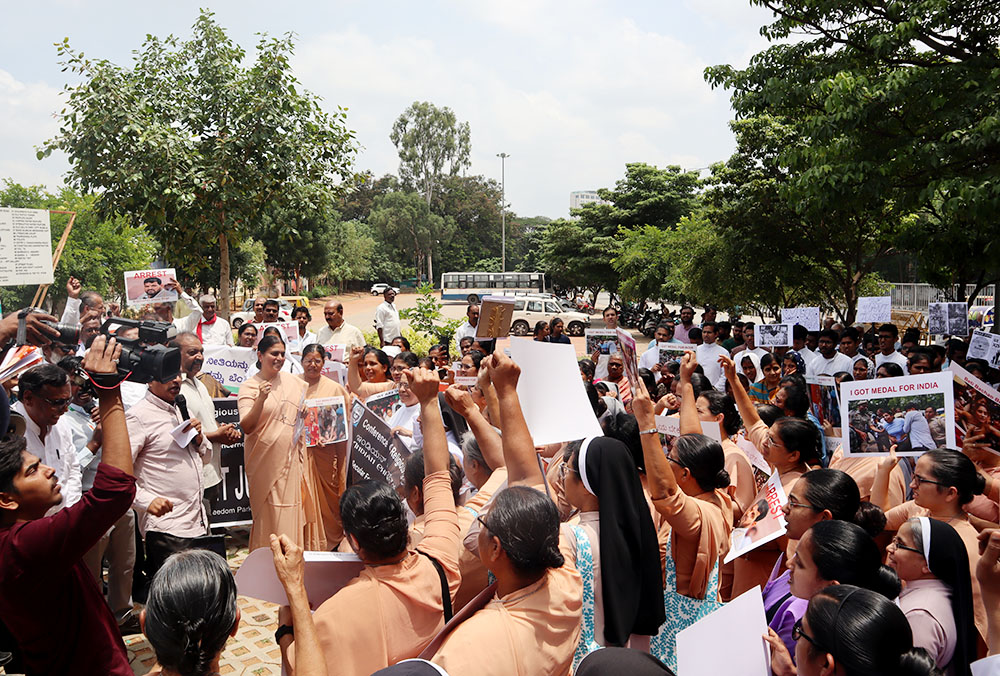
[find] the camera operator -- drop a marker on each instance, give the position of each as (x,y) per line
(37,332)
(45,588)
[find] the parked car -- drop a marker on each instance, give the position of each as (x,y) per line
(380,288)
(529,310)
(237,319)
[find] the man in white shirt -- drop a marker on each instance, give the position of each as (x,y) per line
(887,335)
(304,337)
(651,357)
(165,311)
(468,327)
(828,361)
(799,334)
(45,396)
(337,331)
(387,318)
(213,329)
(708,356)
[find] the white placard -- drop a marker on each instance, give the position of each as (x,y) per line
(948,319)
(869,420)
(874,309)
(324,574)
(25,247)
(772,335)
(670,425)
(548,368)
(229,365)
(729,641)
(144,287)
(984,346)
(806,316)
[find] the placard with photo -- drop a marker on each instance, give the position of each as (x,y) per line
(773,335)
(325,421)
(145,287)
(977,412)
(948,319)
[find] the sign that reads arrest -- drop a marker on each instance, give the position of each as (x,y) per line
(375,451)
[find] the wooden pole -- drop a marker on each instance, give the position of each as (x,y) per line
(44,288)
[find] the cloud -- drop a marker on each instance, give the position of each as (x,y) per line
(26,121)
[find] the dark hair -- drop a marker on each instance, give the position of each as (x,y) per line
(647,377)
(625,428)
(374,514)
(892,368)
(442,347)
(720,402)
(793,379)
(526,522)
(710,325)
(769,413)
(465,340)
(406,343)
(382,357)
(11,461)
(587,368)
(191,611)
(890,328)
(797,400)
(272,302)
(540,326)
(694,334)
(426,363)
(244,328)
(38,377)
(767,359)
(313,347)
(413,474)
(799,332)
(554,321)
(921,353)
(409,358)
(267,342)
(700,383)
(152,279)
(954,468)
(836,491)
(831,334)
(852,333)
(477,358)
(845,553)
(299,309)
(704,458)
(610,307)
(866,633)
(798,434)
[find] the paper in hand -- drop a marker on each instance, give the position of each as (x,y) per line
(763,521)
(184,433)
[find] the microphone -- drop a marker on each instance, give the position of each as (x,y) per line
(181,403)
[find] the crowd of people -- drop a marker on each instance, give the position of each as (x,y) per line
(587,556)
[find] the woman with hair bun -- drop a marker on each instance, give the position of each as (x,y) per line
(928,555)
(687,487)
(943,483)
(850,631)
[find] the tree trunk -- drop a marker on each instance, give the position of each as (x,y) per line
(223,301)
(430,267)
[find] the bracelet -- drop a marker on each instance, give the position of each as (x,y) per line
(283,631)
(652,430)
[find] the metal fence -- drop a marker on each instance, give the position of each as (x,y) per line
(917,296)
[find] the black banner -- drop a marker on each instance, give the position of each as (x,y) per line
(375,452)
(232,508)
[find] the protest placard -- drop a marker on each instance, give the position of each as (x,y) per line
(740,625)
(825,405)
(145,287)
(384,404)
(289,332)
(19,360)
(547,368)
(335,371)
(876,414)
(335,352)
(948,319)
(763,521)
(602,341)
(495,315)
(232,507)
(985,346)
(375,452)
(25,247)
(325,421)
(229,365)
(669,427)
(627,344)
(323,573)
(977,411)
(673,351)
(806,316)
(772,335)
(874,309)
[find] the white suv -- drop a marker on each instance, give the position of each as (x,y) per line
(380,288)
(532,309)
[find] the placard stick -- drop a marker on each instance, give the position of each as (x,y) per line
(44,288)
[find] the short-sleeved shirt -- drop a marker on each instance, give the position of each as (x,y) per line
(49,599)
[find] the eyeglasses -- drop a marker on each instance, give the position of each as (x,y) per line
(921,480)
(898,544)
(798,632)
(792,503)
(56,403)
(564,469)
(675,461)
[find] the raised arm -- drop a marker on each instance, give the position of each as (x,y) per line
(288,564)
(690,424)
(353,372)
(485,386)
(518,448)
(748,412)
(424,385)
(661,479)
(880,485)
(102,358)
(489,441)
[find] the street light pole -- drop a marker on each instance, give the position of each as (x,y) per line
(503,215)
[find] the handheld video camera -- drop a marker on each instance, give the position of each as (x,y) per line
(69,334)
(145,358)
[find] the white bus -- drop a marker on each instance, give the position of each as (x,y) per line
(473,286)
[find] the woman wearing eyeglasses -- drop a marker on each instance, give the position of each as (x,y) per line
(851,631)
(930,558)
(943,483)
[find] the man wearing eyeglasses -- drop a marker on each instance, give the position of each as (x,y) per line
(45,396)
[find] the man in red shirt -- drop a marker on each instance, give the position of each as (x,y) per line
(48,599)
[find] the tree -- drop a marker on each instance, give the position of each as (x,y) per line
(895,102)
(472,203)
(404,220)
(98,252)
(197,146)
(645,196)
(298,243)
(428,140)
(352,248)
(577,256)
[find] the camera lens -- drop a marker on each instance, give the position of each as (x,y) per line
(69,334)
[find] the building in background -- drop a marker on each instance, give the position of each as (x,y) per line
(578,198)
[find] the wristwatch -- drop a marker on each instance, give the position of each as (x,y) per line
(282,631)
(649,431)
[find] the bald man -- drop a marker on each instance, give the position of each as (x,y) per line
(337,331)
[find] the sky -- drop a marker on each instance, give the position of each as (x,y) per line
(571,91)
